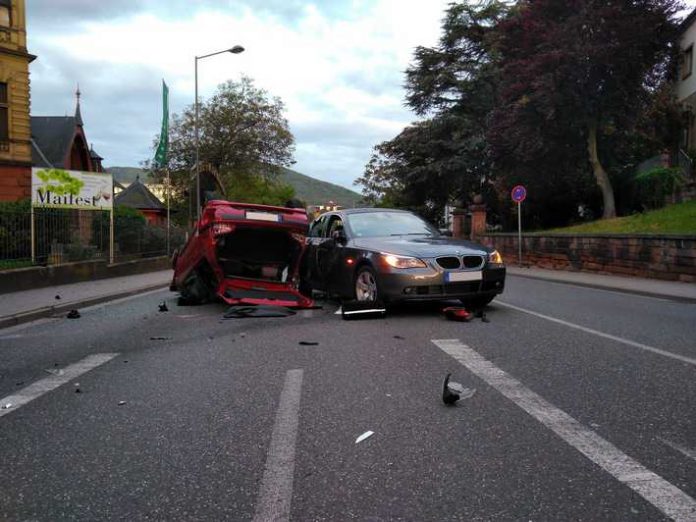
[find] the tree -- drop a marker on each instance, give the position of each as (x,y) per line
(444,157)
(243,135)
(573,74)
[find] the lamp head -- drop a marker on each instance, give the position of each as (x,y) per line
(236,49)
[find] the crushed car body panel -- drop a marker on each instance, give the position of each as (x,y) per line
(244,254)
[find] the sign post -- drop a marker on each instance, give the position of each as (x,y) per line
(519,193)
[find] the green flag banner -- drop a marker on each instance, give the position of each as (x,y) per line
(163,146)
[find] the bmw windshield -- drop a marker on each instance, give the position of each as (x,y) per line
(382,224)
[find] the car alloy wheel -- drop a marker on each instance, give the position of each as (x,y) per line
(366,285)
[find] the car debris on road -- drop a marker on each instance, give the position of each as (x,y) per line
(236,312)
(364,436)
(363,310)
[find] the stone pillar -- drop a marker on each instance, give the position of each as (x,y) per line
(458,222)
(478,218)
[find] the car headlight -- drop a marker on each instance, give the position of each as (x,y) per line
(494,258)
(403,261)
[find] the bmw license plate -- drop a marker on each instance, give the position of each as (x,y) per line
(455,277)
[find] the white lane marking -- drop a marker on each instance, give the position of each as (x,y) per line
(39,388)
(666,497)
(275,494)
(339,311)
(645,347)
(687,452)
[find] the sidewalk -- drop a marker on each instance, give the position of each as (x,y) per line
(28,305)
(635,285)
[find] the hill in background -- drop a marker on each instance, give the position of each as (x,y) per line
(310,190)
(317,192)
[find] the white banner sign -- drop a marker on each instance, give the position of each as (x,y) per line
(60,188)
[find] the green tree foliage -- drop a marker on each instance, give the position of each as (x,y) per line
(444,157)
(243,135)
(576,76)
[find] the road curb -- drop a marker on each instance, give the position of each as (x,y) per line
(49,311)
(599,286)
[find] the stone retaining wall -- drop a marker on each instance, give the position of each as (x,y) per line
(667,257)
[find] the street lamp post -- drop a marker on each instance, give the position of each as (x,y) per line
(234,50)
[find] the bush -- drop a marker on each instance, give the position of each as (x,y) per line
(653,187)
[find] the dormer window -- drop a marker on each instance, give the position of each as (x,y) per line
(5,9)
(687,61)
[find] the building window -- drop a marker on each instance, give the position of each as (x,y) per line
(4,114)
(5,19)
(687,62)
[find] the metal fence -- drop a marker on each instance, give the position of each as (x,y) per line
(67,235)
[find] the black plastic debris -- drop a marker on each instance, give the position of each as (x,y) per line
(57,296)
(308,343)
(453,392)
(401,338)
(241,311)
(159,338)
(449,396)
(73,314)
(363,310)
(163,306)
(77,388)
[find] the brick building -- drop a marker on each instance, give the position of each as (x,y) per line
(15,128)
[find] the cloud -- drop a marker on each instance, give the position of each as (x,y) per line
(338,66)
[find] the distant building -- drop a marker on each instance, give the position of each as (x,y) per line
(60,142)
(15,133)
(686,81)
(138,196)
(686,96)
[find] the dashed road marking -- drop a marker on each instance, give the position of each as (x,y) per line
(275,495)
(628,342)
(34,391)
(666,497)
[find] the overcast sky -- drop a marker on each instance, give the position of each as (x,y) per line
(337,65)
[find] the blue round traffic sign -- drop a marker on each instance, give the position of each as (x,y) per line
(518,193)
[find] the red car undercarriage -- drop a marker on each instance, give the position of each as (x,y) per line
(244,254)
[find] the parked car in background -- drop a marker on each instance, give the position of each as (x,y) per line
(394,255)
(243,254)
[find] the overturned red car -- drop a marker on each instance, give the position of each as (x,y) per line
(243,254)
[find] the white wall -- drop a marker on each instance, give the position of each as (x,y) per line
(687,87)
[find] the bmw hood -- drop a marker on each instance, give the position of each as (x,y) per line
(420,246)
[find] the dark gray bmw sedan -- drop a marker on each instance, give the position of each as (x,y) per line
(393,255)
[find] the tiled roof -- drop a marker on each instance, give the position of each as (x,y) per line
(137,195)
(53,136)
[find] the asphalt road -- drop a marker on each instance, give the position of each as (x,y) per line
(584,410)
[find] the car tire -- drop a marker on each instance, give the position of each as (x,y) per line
(194,290)
(366,285)
(477,302)
(305,288)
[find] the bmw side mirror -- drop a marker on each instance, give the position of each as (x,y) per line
(339,236)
